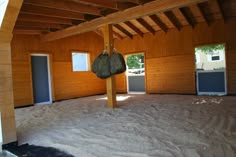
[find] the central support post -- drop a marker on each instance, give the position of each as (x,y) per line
(110,82)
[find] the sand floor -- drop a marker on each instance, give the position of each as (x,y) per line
(142,126)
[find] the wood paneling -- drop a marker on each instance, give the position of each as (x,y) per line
(121,85)
(173,74)
(66,84)
(170,66)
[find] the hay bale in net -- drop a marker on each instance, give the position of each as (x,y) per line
(117,63)
(103,66)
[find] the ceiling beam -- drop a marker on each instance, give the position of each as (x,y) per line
(219,7)
(134,28)
(119,27)
(65,5)
(36,10)
(153,7)
(43,19)
(173,19)
(22,31)
(99,3)
(201,10)
(117,35)
(186,14)
(159,23)
(38,24)
(146,25)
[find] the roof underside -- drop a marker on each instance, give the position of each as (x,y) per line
(46,16)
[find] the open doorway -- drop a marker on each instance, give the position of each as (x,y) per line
(211,70)
(135,73)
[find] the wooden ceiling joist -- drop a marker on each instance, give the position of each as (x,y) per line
(119,27)
(117,35)
(146,25)
(126,15)
(36,10)
(219,7)
(201,10)
(43,19)
(159,23)
(173,19)
(38,24)
(31,32)
(65,5)
(134,28)
(186,12)
(99,3)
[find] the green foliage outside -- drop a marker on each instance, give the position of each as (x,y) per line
(210,48)
(135,61)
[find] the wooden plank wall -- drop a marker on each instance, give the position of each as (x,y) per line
(67,84)
(169,61)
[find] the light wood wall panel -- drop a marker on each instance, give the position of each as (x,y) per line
(170,56)
(121,85)
(170,74)
(66,84)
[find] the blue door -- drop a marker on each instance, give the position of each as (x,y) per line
(40,78)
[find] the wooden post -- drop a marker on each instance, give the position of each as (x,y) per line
(110,82)
(6,84)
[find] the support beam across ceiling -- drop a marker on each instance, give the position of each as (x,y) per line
(119,27)
(173,19)
(36,10)
(158,21)
(150,8)
(134,28)
(99,3)
(146,25)
(186,12)
(43,19)
(201,10)
(65,5)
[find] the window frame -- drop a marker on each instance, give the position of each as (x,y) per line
(88,66)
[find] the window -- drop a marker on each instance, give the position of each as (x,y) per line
(215,58)
(3,7)
(80,61)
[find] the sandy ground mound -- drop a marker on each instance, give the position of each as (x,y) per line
(142,126)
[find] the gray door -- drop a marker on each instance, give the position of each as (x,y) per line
(41,90)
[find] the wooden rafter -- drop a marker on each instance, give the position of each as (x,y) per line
(134,28)
(38,24)
(186,14)
(219,7)
(158,21)
(65,5)
(150,8)
(201,10)
(98,32)
(99,3)
(43,19)
(146,25)
(36,10)
(117,35)
(119,27)
(31,32)
(173,19)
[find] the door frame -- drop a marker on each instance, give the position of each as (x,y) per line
(49,78)
(126,73)
(225,72)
